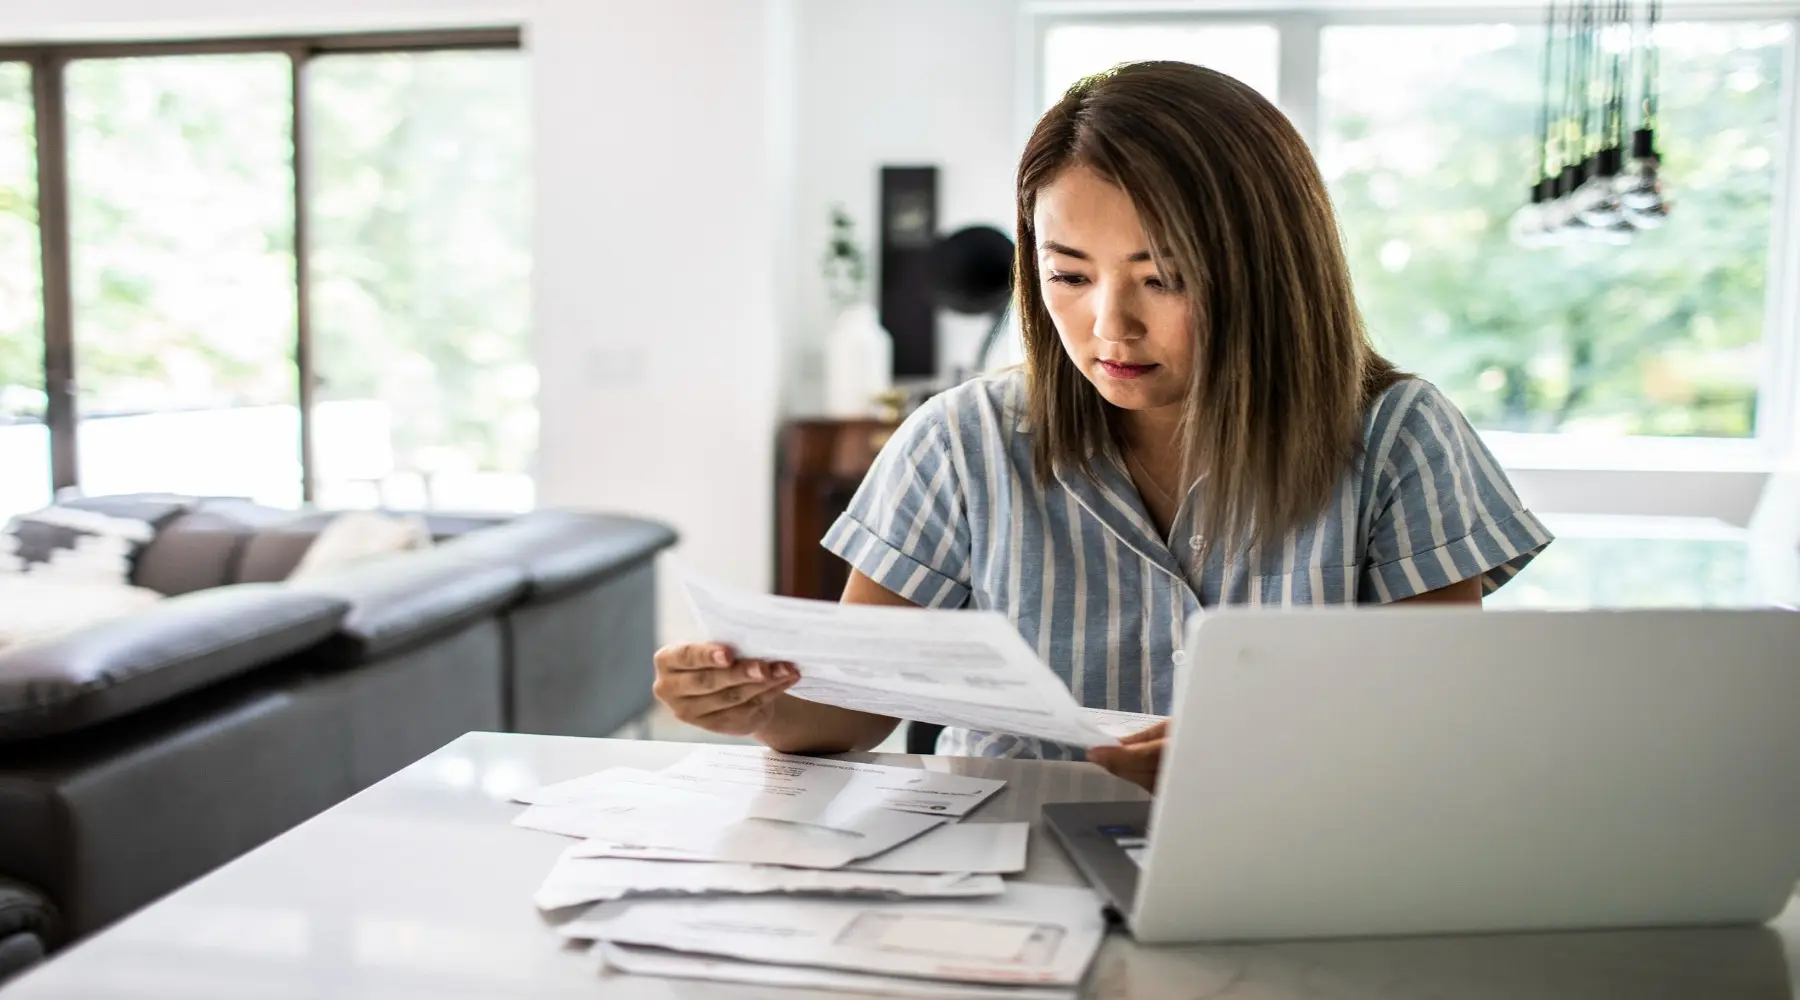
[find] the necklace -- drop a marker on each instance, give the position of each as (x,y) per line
(1131,459)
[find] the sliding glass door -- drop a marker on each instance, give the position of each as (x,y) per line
(180,211)
(420,268)
(285,269)
(24,434)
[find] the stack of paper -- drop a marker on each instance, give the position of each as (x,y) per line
(741,820)
(861,872)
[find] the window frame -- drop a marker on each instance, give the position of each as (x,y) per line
(47,62)
(1300,25)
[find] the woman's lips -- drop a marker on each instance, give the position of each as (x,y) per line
(1122,370)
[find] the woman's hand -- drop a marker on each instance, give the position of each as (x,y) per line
(1139,760)
(706,685)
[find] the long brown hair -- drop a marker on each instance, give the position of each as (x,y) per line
(1233,204)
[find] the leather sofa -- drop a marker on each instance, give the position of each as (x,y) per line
(138,754)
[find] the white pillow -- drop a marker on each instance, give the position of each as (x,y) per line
(38,606)
(356,536)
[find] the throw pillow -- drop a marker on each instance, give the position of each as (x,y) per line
(356,536)
(72,543)
(39,606)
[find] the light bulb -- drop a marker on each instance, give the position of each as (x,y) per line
(1648,218)
(1528,226)
(1597,199)
(1525,224)
(1559,211)
(1638,186)
(1597,205)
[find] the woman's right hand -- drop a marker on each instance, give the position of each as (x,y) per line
(706,685)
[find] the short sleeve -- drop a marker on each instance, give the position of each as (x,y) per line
(1443,511)
(907,528)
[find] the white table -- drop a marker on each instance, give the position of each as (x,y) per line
(420,888)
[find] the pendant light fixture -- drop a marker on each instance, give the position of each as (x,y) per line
(1640,187)
(1530,225)
(1585,189)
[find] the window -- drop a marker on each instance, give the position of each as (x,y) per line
(182,265)
(1424,132)
(24,440)
(1421,132)
(286,269)
(420,273)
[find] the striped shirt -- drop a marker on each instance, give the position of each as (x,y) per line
(951,515)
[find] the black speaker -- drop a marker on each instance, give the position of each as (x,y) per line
(907,301)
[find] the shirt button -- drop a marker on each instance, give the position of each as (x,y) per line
(1180,657)
(1196,542)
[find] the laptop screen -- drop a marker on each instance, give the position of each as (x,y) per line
(1130,839)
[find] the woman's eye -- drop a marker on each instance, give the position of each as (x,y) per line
(1164,285)
(1064,278)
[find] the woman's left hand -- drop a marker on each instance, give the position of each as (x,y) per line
(1139,760)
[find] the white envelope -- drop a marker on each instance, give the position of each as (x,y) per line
(577,881)
(990,848)
(994,848)
(723,833)
(798,786)
(1034,935)
(633,960)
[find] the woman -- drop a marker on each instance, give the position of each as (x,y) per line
(1200,420)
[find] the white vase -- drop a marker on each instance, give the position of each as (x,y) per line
(859,362)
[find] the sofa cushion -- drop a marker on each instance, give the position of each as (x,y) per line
(185,643)
(201,549)
(276,551)
(561,551)
(358,536)
(35,607)
(406,599)
(270,555)
(29,926)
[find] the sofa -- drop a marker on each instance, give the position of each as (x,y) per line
(139,753)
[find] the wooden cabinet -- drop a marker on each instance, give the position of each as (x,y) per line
(821,463)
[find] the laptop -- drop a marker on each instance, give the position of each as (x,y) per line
(1352,772)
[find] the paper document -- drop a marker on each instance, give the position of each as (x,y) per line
(969,669)
(996,848)
(631,783)
(715,833)
(991,848)
(578,881)
(780,786)
(1033,935)
(1120,724)
(634,960)
(808,782)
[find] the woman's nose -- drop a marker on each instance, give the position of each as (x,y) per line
(1115,321)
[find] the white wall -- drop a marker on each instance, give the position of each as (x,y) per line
(898,83)
(657,235)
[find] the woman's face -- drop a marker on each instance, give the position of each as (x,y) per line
(1123,324)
